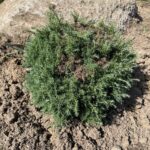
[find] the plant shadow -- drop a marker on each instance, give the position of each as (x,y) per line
(136,99)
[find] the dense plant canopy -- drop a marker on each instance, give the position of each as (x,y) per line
(1,1)
(78,70)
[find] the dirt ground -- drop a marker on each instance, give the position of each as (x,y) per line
(23,127)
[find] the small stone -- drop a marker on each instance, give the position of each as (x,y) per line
(126,141)
(75,147)
(117,147)
(93,133)
(143,140)
(79,134)
(139,103)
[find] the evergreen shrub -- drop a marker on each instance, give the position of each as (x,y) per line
(1,1)
(78,70)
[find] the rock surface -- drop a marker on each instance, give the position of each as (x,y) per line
(119,12)
(17,16)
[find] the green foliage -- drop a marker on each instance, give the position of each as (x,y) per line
(78,70)
(1,1)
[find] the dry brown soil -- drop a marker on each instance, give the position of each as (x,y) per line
(23,127)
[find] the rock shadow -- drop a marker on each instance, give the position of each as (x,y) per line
(136,98)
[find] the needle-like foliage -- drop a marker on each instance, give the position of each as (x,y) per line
(1,1)
(78,70)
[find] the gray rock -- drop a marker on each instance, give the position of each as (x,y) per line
(119,12)
(117,147)
(18,16)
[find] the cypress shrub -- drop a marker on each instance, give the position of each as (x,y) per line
(78,70)
(1,1)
